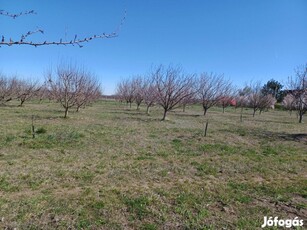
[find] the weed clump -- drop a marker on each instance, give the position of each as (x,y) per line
(41,130)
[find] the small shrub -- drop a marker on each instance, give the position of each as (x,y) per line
(9,138)
(241,132)
(279,107)
(41,130)
(268,150)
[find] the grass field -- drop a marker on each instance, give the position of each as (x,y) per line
(111,167)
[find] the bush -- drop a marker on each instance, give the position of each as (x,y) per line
(41,130)
(279,106)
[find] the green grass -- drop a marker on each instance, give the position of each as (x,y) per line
(112,167)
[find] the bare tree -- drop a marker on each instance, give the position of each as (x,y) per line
(172,86)
(69,86)
(254,96)
(242,99)
(23,39)
(125,91)
(226,102)
(289,103)
(253,102)
(229,99)
(297,88)
(44,93)
(90,91)
(266,102)
(150,92)
(212,88)
(26,90)
(190,99)
(137,85)
(257,100)
(8,88)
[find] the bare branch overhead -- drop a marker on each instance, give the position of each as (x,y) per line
(74,41)
(14,16)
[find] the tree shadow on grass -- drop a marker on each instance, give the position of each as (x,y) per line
(143,119)
(56,115)
(300,137)
(9,106)
(188,115)
(277,122)
(128,112)
(268,135)
(297,137)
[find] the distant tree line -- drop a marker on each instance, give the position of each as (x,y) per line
(170,87)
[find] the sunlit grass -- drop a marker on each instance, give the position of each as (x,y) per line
(112,167)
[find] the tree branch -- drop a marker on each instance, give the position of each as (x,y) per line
(73,42)
(14,16)
(61,42)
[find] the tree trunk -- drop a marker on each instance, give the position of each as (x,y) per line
(21,103)
(205,111)
(183,108)
(300,117)
(254,113)
(137,106)
(206,128)
(147,110)
(66,112)
(164,115)
(241,114)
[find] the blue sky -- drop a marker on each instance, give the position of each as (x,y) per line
(245,40)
